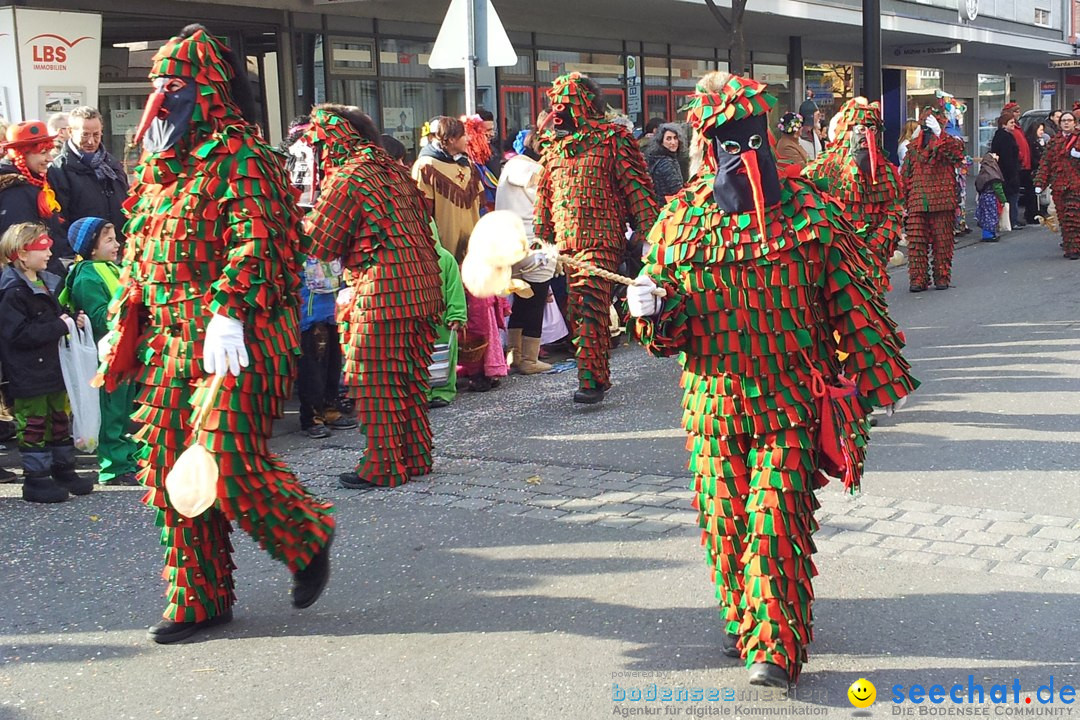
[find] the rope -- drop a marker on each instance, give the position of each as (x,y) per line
(602,273)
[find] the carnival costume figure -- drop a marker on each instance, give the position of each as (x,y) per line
(855,171)
(929,174)
(209,287)
(1059,170)
(371,214)
(764,281)
(594,182)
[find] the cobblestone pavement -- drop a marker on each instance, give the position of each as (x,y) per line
(869,526)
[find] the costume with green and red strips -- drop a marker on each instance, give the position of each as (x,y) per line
(1060,171)
(371,214)
(749,313)
(594,182)
(855,171)
(929,174)
(213,229)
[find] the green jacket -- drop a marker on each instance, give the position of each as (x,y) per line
(89,287)
(452,289)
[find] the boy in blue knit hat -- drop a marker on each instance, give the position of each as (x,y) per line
(89,287)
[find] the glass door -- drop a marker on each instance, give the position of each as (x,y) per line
(517,110)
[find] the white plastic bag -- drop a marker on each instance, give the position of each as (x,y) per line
(1004,224)
(78,363)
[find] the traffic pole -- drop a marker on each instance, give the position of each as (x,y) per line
(871,19)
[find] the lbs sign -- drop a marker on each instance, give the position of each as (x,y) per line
(50,51)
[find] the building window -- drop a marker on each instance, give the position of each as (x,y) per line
(1042,17)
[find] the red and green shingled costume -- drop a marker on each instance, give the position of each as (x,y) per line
(929,174)
(594,181)
(747,313)
(873,201)
(371,214)
(213,229)
(1060,172)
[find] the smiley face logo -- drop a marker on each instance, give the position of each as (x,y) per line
(862,693)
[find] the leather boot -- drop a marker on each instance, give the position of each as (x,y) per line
(530,351)
(309,583)
(769,675)
(63,470)
(513,348)
(171,631)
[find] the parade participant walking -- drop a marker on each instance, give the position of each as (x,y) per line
(764,281)
(31,324)
(1059,170)
(89,288)
(929,173)
(595,181)
(371,214)
(210,287)
(855,171)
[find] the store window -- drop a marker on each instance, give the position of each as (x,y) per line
(685,72)
(406,106)
(832,85)
(352,56)
(990,103)
(655,71)
(605,68)
(922,84)
(361,93)
(776,77)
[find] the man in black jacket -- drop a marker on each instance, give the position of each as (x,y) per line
(88,181)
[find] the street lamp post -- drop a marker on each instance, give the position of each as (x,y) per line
(871,33)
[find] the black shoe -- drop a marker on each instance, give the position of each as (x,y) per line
(589,396)
(941,286)
(916,288)
(125,480)
(1072,256)
(6,476)
(354,482)
(309,583)
(731,645)
(72,481)
(1019,224)
(42,488)
(438,403)
(338,421)
(318,431)
(769,675)
(480,383)
(171,631)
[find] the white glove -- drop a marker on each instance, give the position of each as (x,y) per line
(890,410)
(223,347)
(1074,152)
(1038,191)
(104,344)
(932,123)
(640,298)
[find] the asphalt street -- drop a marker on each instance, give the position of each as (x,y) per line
(552,561)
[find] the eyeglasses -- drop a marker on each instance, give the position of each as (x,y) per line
(733,147)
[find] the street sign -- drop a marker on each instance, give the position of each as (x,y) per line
(941,48)
(633,88)
(493,48)
(1064,63)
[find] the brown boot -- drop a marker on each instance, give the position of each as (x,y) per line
(513,348)
(530,351)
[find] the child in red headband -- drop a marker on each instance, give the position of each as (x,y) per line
(31,326)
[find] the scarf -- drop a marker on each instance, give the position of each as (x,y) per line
(434,149)
(96,161)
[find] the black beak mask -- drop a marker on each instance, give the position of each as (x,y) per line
(167,115)
(746,175)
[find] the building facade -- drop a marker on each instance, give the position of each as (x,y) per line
(646,54)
